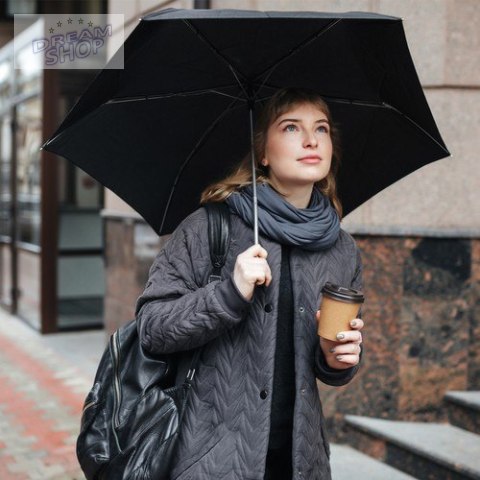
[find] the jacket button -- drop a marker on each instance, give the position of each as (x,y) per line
(268,307)
(264,394)
(301,309)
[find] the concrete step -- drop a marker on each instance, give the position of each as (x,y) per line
(464,410)
(428,451)
(348,463)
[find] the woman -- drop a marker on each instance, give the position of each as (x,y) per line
(254,411)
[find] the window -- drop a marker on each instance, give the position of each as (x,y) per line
(20,6)
(5,169)
(28,136)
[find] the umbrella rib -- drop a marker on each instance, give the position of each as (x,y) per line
(295,50)
(187,160)
(413,122)
(365,103)
(140,98)
(222,57)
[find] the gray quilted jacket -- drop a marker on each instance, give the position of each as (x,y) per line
(226,425)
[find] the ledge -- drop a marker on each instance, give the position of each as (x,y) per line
(406,231)
(466,399)
(377,230)
(115,215)
(443,444)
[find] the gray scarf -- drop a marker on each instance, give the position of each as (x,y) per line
(313,228)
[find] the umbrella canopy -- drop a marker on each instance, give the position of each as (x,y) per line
(176,118)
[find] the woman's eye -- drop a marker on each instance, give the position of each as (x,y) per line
(290,128)
(323,129)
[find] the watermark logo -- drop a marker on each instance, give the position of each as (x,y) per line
(70,41)
(71,46)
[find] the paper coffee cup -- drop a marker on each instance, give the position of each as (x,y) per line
(340,305)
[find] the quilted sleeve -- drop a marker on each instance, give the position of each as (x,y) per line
(176,312)
(357,277)
(333,376)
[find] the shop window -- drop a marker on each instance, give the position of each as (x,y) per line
(5,169)
(20,6)
(28,69)
(5,211)
(5,148)
(29,135)
(6,73)
(80,272)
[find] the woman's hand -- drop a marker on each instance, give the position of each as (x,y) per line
(345,352)
(251,269)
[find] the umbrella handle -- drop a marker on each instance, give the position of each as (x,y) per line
(254,181)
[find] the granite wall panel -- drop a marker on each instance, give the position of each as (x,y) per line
(435,326)
(473,299)
(433,355)
(122,283)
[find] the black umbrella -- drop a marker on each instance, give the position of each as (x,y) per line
(178,116)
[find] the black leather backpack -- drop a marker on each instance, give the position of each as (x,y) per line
(131,416)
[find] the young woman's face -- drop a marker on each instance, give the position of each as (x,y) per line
(298,148)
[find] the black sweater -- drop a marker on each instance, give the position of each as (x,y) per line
(283,394)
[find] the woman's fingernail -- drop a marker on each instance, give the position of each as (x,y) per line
(340,336)
(332,350)
(353,323)
(339,358)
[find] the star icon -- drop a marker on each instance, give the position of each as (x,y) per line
(80,21)
(59,24)
(51,30)
(90,24)
(69,20)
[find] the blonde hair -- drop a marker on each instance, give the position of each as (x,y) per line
(281,102)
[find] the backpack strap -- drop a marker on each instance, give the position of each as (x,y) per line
(219,242)
(218,237)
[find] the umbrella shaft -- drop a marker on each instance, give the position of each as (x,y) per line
(254,181)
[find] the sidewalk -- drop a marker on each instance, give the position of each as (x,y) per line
(43,382)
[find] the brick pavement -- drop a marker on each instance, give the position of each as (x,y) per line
(41,398)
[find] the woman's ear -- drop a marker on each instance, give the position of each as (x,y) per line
(264,162)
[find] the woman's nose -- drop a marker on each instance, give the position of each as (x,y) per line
(310,140)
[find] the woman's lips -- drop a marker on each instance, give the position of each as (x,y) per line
(311,159)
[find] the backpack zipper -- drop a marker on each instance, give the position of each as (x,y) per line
(88,405)
(117,389)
